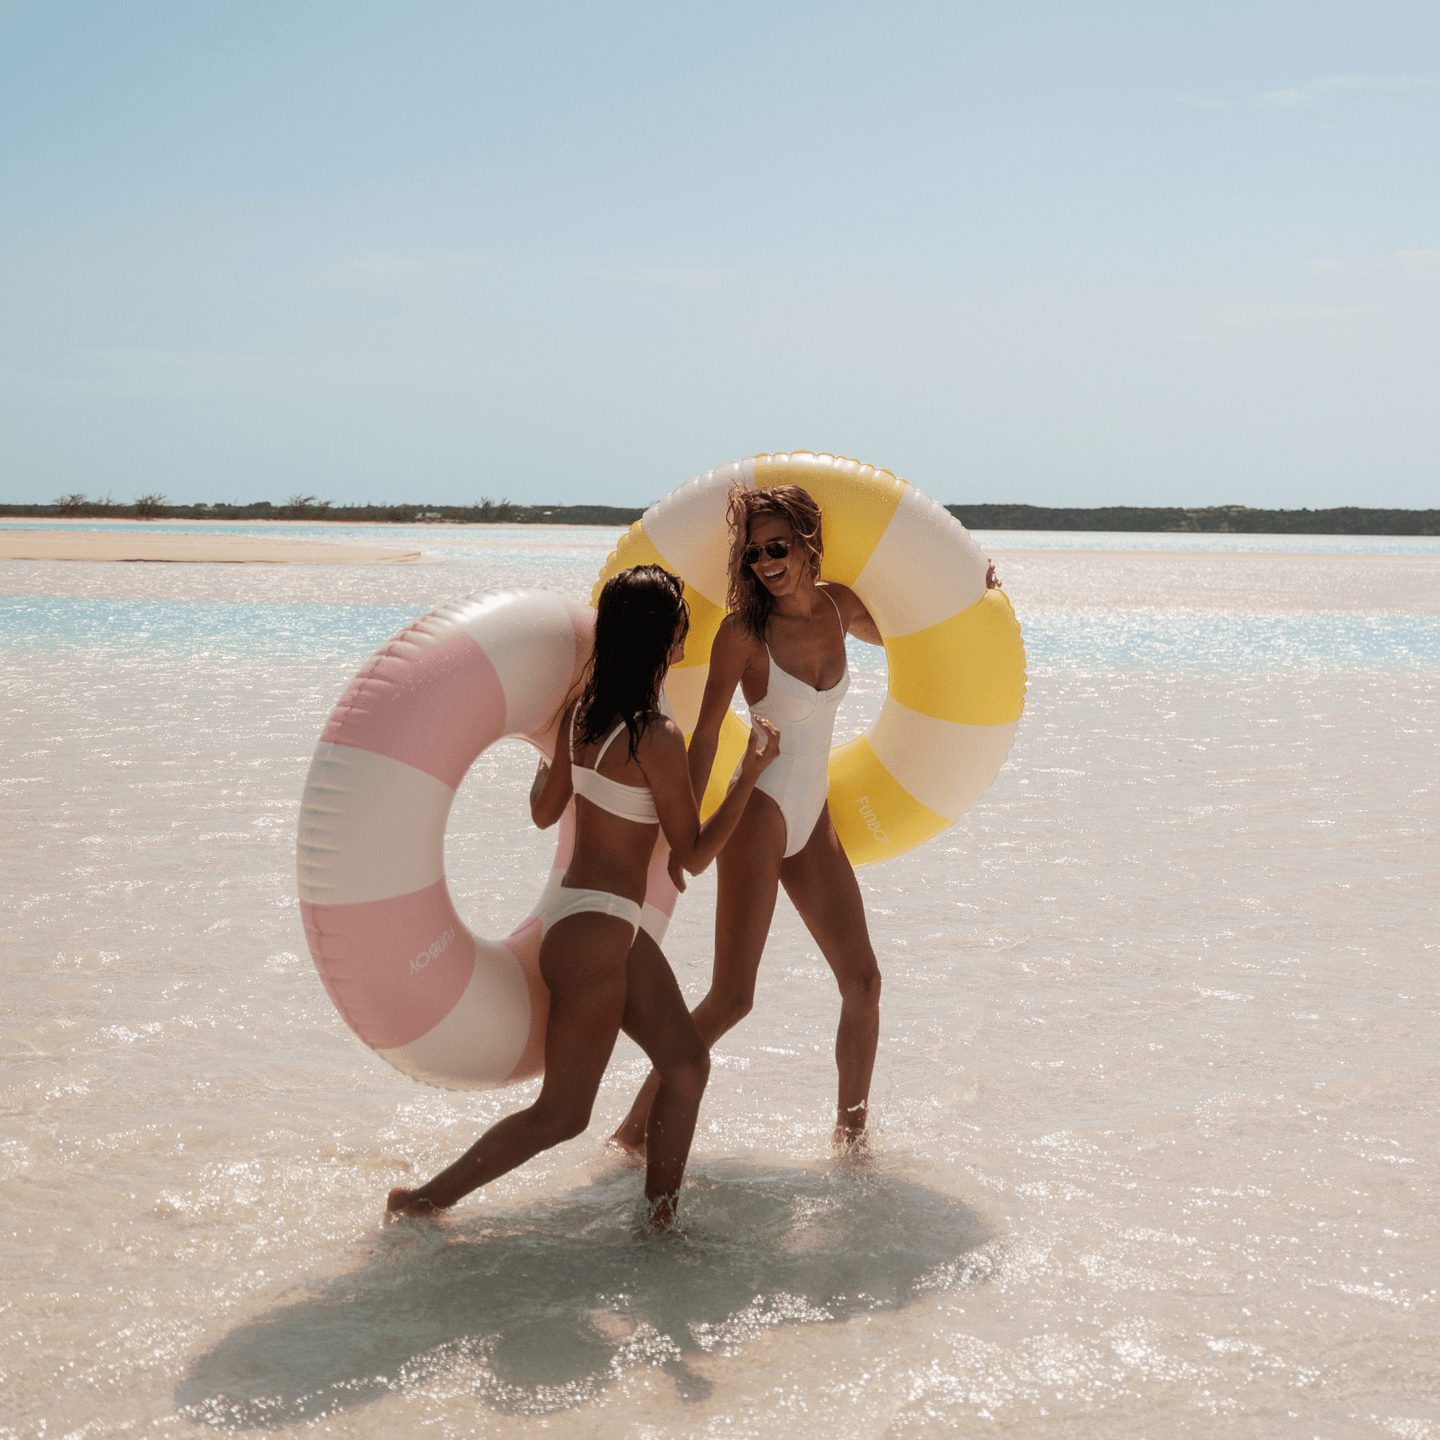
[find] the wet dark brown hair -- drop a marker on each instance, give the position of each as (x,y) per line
(746,596)
(640,614)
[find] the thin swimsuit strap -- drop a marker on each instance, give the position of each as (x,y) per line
(604,744)
(628,802)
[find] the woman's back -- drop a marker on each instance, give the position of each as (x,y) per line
(616,824)
(622,798)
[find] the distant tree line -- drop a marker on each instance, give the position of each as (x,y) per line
(306,507)
(1214,519)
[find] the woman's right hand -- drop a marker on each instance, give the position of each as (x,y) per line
(756,760)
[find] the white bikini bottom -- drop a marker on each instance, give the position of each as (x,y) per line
(575,901)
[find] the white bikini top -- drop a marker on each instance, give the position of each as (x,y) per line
(629,802)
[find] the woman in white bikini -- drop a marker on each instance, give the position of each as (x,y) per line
(784,644)
(603,972)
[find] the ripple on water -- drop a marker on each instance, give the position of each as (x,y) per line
(543,1308)
(1154,1109)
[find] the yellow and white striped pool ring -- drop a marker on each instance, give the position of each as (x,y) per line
(955,656)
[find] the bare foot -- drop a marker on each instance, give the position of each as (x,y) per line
(632,1156)
(848,1140)
(400,1202)
(660,1216)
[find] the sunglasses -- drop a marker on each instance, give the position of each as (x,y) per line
(775,549)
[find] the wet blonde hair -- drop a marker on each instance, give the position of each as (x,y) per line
(745,595)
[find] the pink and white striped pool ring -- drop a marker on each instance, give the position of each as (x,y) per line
(446,1006)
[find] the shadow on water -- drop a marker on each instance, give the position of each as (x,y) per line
(538,1310)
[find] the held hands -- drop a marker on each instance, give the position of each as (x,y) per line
(752,766)
(756,760)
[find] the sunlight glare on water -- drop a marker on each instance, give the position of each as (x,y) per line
(1154,1111)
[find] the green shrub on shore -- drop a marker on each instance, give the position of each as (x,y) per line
(1215,519)
(1211,520)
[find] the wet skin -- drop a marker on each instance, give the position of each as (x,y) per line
(806,642)
(603,977)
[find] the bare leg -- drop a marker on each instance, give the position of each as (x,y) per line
(657,1020)
(748,881)
(583,961)
(821,884)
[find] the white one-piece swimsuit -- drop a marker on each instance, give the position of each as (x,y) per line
(798,779)
(635,803)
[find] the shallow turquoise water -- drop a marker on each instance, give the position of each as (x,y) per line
(1155,1108)
(1084,643)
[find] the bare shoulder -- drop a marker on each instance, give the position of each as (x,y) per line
(853,615)
(849,604)
(732,631)
(733,642)
(661,733)
(661,747)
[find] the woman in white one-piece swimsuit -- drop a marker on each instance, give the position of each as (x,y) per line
(799,779)
(784,644)
(604,970)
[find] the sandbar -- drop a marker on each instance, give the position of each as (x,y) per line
(198,549)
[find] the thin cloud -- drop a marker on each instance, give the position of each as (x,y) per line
(1314,92)
(662,275)
(379,266)
(384,262)
(1271,314)
(1377,264)
(382,266)
(187,372)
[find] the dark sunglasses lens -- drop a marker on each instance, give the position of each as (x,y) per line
(775,549)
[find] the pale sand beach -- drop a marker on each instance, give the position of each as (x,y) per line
(202,549)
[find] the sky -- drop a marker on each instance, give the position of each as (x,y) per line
(1067,254)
